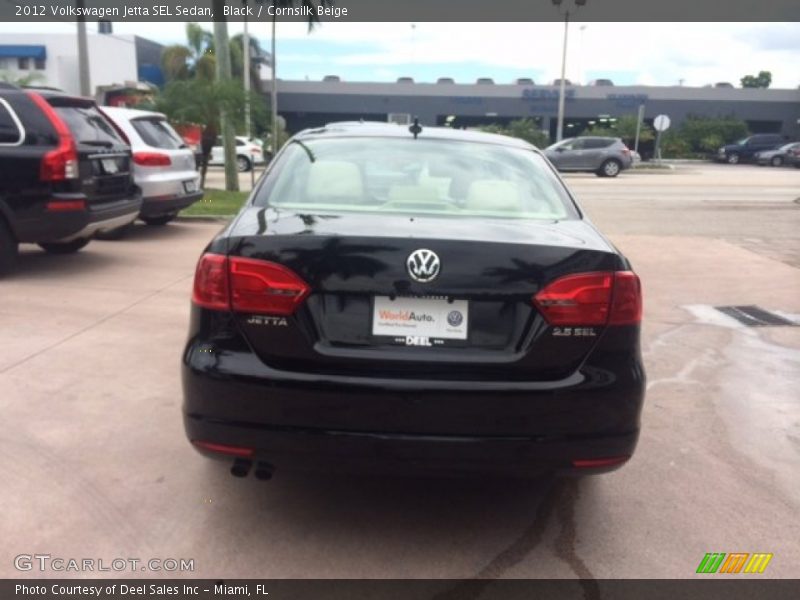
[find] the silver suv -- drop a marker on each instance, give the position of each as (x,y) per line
(163,165)
(605,156)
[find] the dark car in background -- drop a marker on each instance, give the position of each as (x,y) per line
(793,157)
(65,173)
(604,156)
(745,149)
(777,157)
(433,301)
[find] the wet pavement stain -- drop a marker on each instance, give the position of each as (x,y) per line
(567,537)
(559,500)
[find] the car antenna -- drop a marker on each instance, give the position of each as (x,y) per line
(416,129)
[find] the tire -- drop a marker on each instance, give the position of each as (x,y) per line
(243,164)
(733,158)
(8,249)
(610,168)
(64,247)
(776,161)
(160,220)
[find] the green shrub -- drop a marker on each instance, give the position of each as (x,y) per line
(524,129)
(673,145)
(698,132)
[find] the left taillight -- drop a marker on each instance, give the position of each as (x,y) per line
(247,285)
(151,159)
(262,287)
(597,298)
(211,289)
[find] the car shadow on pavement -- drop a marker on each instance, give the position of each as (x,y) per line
(140,232)
(35,264)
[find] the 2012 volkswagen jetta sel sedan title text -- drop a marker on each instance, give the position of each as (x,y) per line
(430,299)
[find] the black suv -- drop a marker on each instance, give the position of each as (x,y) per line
(746,149)
(65,173)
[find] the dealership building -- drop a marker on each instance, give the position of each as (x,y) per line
(314,103)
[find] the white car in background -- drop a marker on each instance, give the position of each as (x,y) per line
(248,153)
(163,165)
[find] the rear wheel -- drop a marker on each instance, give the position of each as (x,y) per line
(610,168)
(733,158)
(242,163)
(8,249)
(776,161)
(64,247)
(160,220)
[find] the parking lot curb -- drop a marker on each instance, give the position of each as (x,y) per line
(204,218)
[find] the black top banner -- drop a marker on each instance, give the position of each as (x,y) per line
(400,10)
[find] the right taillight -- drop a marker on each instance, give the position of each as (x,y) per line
(62,163)
(597,298)
(247,285)
(626,301)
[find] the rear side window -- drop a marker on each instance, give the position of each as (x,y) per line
(597,143)
(88,125)
(415,177)
(10,127)
(157,133)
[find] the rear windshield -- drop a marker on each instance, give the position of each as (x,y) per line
(88,125)
(157,133)
(407,176)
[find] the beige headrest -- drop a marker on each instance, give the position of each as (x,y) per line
(334,179)
(493,195)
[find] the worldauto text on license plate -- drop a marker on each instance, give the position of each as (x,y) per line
(423,317)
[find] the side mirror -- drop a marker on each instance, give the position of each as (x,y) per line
(560,149)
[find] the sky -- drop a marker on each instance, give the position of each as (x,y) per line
(691,54)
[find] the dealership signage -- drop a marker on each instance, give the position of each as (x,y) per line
(544,95)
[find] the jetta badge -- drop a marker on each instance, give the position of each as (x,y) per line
(423,265)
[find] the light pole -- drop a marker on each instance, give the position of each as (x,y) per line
(83,53)
(561,90)
(246,76)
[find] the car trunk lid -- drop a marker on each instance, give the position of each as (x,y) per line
(362,291)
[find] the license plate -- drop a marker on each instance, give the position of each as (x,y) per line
(436,318)
(189,186)
(110,165)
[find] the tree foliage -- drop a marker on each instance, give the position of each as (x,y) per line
(706,134)
(524,129)
(762,80)
(625,128)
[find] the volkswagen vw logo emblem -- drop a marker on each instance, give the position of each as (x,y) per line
(423,265)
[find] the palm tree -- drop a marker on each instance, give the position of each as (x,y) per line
(22,81)
(312,21)
(195,59)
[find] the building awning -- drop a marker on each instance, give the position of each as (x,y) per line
(23,51)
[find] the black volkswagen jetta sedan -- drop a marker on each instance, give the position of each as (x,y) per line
(429,298)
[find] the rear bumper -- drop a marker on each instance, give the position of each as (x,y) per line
(156,206)
(296,448)
(41,225)
(306,420)
(109,216)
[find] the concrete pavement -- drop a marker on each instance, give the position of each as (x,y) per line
(95,463)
